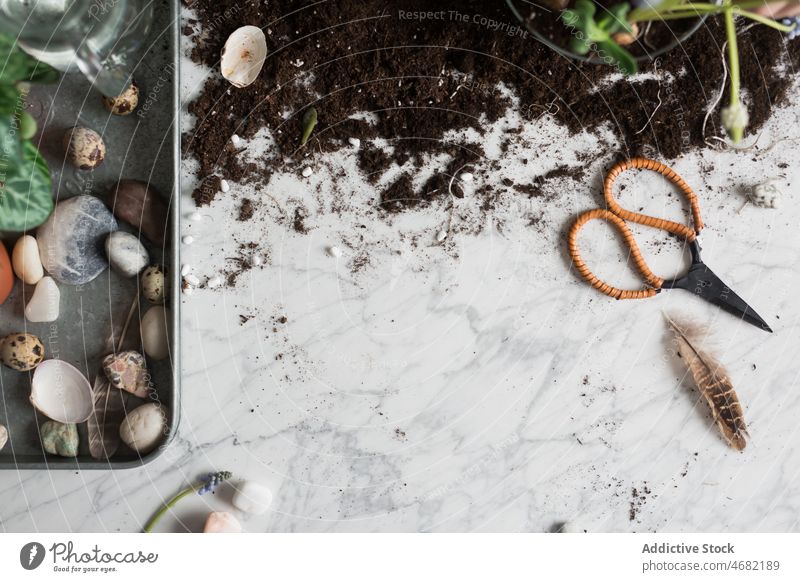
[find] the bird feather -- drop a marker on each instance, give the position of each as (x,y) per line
(712,380)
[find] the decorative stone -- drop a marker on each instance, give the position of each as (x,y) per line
(44,305)
(84,147)
(70,242)
(128,371)
(144,427)
(154,279)
(243,55)
(6,274)
(27,263)
(766,195)
(141,206)
(59,438)
(222,522)
(126,254)
(3,436)
(21,351)
(251,497)
(154,328)
(125,103)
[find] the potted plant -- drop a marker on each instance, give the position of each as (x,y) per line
(25,187)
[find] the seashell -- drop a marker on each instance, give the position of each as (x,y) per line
(61,392)
(243,55)
(21,351)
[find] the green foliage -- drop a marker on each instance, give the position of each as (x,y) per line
(309,123)
(596,34)
(25,187)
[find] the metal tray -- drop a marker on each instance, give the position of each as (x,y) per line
(144,146)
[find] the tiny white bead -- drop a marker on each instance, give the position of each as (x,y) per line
(192,280)
(307,172)
(185,270)
(257,261)
(214,282)
(441,235)
(195,216)
(236,141)
(224,186)
(354,141)
(335,252)
(188,290)
(188,239)
(466,177)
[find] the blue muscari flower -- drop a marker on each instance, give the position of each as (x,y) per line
(212,480)
(793,21)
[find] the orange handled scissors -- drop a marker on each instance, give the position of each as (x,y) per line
(700,280)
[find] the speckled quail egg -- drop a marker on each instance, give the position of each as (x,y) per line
(21,351)
(125,103)
(84,147)
(153,281)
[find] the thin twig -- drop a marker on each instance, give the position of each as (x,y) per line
(652,115)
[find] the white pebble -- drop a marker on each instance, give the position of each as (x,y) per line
(236,141)
(195,216)
(192,280)
(354,141)
(188,290)
(188,239)
(214,282)
(307,171)
(466,177)
(224,186)
(251,497)
(257,261)
(335,252)
(441,235)
(766,195)
(185,270)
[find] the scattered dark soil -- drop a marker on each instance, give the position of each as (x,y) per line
(423,77)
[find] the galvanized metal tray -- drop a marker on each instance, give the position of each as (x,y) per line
(143,146)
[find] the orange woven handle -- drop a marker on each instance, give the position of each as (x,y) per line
(572,241)
(678,229)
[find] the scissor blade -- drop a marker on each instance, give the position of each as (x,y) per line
(703,282)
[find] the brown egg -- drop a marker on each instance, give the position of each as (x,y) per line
(125,103)
(21,351)
(84,147)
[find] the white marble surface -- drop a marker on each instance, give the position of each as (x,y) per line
(476,385)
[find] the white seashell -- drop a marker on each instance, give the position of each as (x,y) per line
(44,305)
(144,427)
(61,392)
(243,55)
(766,195)
(26,260)
(252,497)
(155,336)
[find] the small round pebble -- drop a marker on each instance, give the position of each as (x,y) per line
(236,141)
(195,216)
(214,282)
(188,239)
(307,171)
(441,235)
(257,261)
(466,177)
(192,280)
(224,186)
(185,270)
(335,252)
(126,253)
(144,427)
(354,141)
(59,438)
(84,147)
(252,497)
(155,332)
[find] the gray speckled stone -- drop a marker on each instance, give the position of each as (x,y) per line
(71,241)
(126,254)
(59,438)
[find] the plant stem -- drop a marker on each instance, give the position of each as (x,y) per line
(733,64)
(680,13)
(170,504)
(692,9)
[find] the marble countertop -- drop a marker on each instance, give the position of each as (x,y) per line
(472,384)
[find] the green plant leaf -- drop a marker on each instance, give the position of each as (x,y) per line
(9,99)
(615,19)
(622,58)
(16,65)
(26,198)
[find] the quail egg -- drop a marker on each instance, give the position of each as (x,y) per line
(125,103)
(84,147)
(153,281)
(21,351)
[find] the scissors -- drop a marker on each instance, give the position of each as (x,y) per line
(700,280)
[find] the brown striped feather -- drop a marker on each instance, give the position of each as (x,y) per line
(712,381)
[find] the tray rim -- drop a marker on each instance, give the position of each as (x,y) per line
(174,206)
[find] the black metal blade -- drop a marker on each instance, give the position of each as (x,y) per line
(701,281)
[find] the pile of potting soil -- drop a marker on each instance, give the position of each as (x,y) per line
(380,73)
